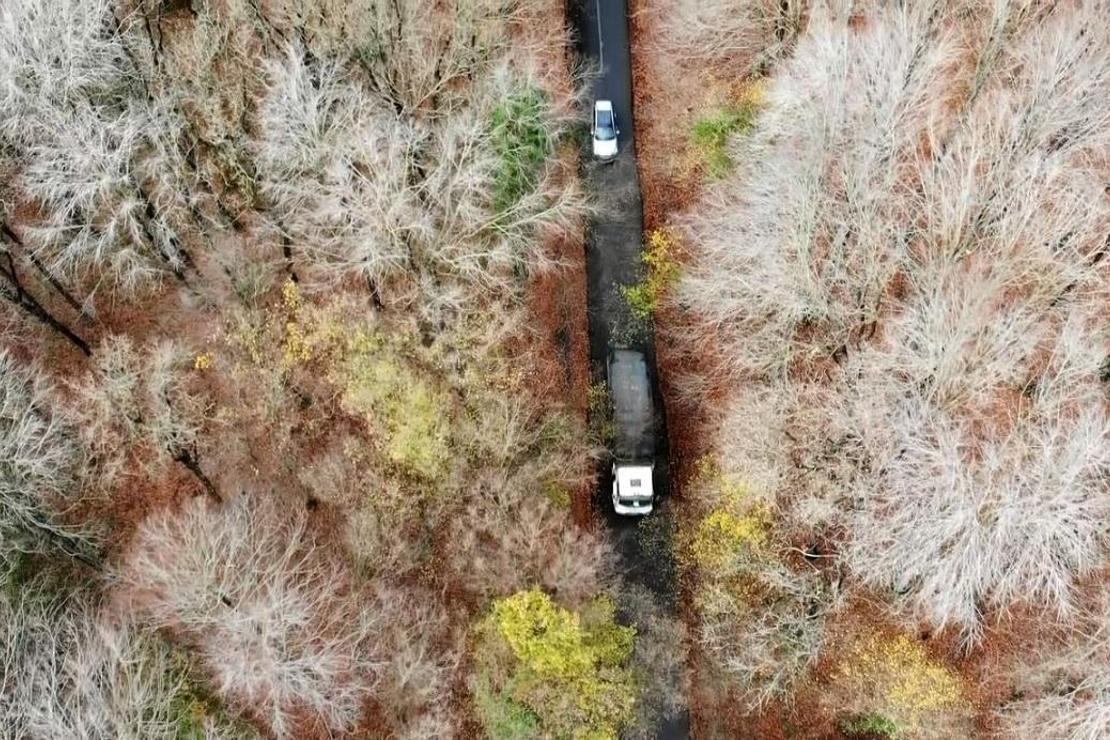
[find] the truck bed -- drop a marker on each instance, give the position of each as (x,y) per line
(633,411)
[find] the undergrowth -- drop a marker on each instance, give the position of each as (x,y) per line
(894,684)
(660,269)
(522,142)
(871,725)
(711,132)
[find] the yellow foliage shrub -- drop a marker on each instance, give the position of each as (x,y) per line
(294,348)
(372,370)
(377,383)
(753,94)
(290,295)
(661,267)
(721,486)
(737,524)
(251,338)
(722,535)
(561,672)
(760,621)
(897,679)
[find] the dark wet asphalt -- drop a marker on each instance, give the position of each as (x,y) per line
(613,245)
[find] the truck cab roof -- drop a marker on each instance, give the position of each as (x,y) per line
(633,490)
(634,480)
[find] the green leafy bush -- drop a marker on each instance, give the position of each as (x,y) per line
(521,139)
(558,495)
(567,671)
(502,717)
(711,132)
(197,715)
(870,724)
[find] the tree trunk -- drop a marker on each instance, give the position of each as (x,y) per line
(187,459)
(13,292)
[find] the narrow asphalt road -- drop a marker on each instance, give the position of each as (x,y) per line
(613,246)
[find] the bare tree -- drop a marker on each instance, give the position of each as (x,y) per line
(1062,682)
(509,547)
(92,153)
(805,247)
(74,668)
(272,618)
(1072,701)
(17,291)
(421,653)
(417,57)
(990,425)
(507,537)
(136,412)
(766,649)
(338,163)
(39,478)
(911,288)
(1016,520)
(436,195)
(737,35)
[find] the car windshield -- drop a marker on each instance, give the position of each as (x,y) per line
(604,128)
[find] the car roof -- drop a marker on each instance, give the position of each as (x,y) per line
(603,105)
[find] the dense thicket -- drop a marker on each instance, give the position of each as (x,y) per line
(905,277)
(291,243)
(39,474)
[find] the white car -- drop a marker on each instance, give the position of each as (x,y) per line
(604,130)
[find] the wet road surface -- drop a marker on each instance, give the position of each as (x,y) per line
(613,245)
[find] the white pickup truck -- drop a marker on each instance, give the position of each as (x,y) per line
(634,438)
